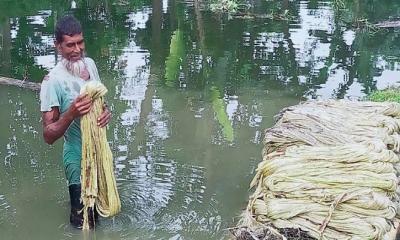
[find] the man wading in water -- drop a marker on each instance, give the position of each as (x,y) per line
(62,106)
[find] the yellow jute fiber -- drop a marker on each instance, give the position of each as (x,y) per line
(330,169)
(99,189)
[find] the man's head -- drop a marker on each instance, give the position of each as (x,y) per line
(69,39)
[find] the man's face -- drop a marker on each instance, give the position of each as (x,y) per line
(72,47)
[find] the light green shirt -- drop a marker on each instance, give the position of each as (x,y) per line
(60,89)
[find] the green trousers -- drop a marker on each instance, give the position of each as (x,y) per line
(72,162)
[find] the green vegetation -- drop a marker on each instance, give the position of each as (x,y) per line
(391,94)
(175,58)
(230,6)
(219,109)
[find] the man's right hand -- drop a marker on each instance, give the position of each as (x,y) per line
(80,106)
(55,125)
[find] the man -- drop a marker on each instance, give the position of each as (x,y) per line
(62,105)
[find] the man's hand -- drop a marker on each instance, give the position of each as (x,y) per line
(55,124)
(81,105)
(105,117)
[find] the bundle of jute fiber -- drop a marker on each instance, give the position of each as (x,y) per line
(330,123)
(99,188)
(335,114)
(330,192)
(391,109)
(299,129)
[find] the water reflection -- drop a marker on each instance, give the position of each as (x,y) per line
(311,36)
(191,93)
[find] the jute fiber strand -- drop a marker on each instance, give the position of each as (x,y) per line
(330,169)
(99,188)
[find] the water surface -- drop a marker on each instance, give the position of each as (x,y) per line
(191,93)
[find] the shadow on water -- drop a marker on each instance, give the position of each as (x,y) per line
(191,93)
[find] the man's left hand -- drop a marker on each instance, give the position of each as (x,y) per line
(105,117)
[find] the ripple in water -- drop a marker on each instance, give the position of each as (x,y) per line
(7,212)
(163,198)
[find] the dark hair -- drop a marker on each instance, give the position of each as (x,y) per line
(67,25)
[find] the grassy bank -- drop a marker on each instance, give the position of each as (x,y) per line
(389,95)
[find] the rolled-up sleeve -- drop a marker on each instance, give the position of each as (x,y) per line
(49,95)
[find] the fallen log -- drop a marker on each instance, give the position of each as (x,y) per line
(388,24)
(20,83)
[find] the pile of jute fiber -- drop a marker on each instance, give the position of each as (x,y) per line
(328,172)
(99,189)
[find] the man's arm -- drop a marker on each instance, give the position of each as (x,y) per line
(55,124)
